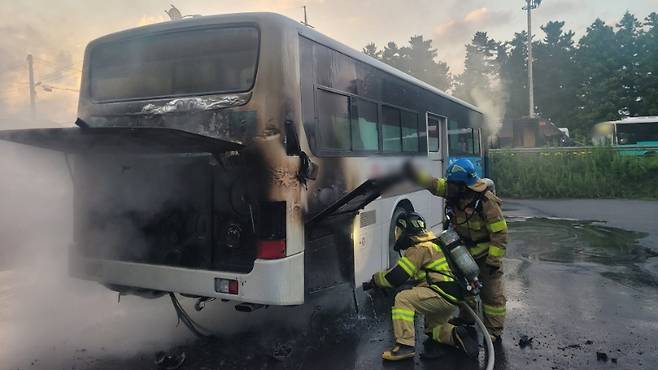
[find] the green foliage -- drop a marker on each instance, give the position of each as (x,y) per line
(371,50)
(556,75)
(514,77)
(589,173)
(480,68)
(418,59)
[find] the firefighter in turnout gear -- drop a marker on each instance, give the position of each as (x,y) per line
(474,213)
(434,294)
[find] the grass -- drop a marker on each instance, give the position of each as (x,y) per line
(590,173)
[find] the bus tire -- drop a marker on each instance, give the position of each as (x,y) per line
(393,256)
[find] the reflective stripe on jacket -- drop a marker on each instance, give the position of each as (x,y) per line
(485,232)
(426,259)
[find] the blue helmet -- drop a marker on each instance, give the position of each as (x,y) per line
(463,171)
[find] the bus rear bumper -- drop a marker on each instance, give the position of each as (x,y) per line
(271,282)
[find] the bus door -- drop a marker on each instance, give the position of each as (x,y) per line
(437,152)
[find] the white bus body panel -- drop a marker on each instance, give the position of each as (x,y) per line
(271,282)
(371,242)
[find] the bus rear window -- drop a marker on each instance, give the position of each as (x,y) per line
(191,62)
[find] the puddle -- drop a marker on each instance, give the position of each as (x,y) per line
(570,241)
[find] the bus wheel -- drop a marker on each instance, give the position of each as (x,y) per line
(393,256)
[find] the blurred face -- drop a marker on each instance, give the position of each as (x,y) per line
(455,190)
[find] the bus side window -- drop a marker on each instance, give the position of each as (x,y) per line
(476,141)
(433,134)
(461,141)
(365,134)
(334,120)
(391,134)
(409,131)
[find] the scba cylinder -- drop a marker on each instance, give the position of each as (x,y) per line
(459,254)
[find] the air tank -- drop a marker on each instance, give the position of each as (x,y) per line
(459,254)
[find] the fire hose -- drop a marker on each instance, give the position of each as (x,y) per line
(483,330)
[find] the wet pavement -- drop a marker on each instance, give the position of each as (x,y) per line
(585,292)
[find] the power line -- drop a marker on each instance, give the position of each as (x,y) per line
(46,87)
(71,66)
(56,75)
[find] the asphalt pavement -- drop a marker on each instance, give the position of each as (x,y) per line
(581,284)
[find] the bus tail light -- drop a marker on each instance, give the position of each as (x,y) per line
(271,249)
(226,286)
(272,231)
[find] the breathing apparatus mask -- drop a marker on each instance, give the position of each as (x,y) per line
(456,191)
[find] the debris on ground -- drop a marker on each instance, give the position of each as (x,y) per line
(588,342)
(570,346)
(169,361)
(281,351)
(600,356)
(524,341)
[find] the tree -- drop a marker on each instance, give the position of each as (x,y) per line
(418,59)
(371,50)
(556,75)
(395,56)
(480,68)
(648,68)
(514,77)
(422,64)
(627,75)
(598,94)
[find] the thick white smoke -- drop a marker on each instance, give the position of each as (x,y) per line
(49,320)
(45,316)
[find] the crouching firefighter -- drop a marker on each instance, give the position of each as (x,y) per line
(434,294)
(473,211)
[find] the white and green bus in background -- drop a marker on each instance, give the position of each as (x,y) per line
(638,134)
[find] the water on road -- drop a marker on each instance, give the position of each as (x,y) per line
(576,287)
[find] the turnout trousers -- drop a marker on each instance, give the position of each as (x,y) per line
(493,297)
(427,302)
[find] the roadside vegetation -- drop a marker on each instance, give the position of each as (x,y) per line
(588,173)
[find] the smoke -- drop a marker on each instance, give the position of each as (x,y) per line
(492,103)
(45,315)
(51,320)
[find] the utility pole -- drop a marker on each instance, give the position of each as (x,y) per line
(531,90)
(33,92)
(305,18)
(530,5)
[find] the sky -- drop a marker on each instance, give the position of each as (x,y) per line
(56,32)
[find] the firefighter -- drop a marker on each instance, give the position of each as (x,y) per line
(474,212)
(434,294)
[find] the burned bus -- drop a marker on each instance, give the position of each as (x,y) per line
(237,157)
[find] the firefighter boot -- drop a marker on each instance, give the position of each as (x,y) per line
(465,341)
(399,352)
(433,350)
